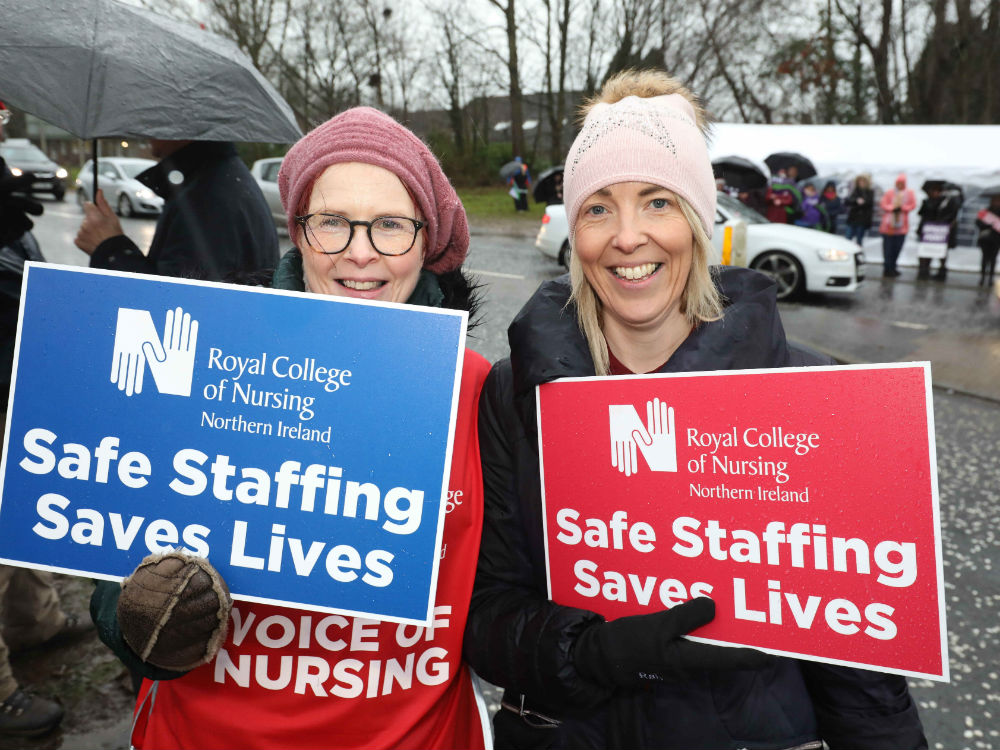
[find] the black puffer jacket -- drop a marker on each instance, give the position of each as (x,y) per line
(860,213)
(520,640)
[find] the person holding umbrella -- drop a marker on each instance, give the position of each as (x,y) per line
(104,82)
(939,209)
(783,198)
(640,298)
(372,217)
(215,222)
(520,183)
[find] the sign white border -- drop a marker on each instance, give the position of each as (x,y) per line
(935,500)
(456,392)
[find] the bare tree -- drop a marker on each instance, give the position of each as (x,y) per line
(451,58)
(879,49)
(258,27)
(403,63)
(507,7)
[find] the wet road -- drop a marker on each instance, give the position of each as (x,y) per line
(962,714)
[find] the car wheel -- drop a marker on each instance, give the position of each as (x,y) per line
(124,206)
(59,194)
(564,253)
(784,269)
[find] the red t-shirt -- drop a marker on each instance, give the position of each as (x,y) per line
(289,678)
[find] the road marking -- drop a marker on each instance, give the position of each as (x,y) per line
(496,273)
(914,326)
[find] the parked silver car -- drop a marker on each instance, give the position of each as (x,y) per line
(265,171)
(116,179)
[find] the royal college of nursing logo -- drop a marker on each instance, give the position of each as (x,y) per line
(137,343)
(655,440)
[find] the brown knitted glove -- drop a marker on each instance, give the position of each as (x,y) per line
(174,611)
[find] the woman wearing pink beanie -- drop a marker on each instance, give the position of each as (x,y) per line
(372,217)
(640,298)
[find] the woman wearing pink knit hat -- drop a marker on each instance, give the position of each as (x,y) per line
(372,217)
(641,297)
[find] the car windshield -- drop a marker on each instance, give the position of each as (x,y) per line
(734,206)
(131,169)
(23,153)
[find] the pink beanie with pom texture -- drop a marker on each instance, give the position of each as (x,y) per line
(369,136)
(654,140)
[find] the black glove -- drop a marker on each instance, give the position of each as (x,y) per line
(174,611)
(631,651)
(14,208)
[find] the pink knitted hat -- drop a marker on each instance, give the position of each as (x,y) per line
(654,140)
(369,136)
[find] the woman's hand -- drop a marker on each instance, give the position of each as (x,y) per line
(631,651)
(173,611)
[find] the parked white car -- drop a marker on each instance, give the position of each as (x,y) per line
(116,179)
(265,171)
(795,257)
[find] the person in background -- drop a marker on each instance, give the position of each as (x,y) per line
(31,614)
(939,207)
(215,222)
(372,217)
(860,206)
(520,184)
(784,199)
(753,198)
(988,223)
(640,298)
(831,206)
(897,202)
(813,216)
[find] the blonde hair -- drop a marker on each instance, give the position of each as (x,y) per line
(700,301)
(644,84)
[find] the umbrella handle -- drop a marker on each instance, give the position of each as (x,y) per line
(94,163)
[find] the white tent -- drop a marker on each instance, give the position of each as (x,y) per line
(965,154)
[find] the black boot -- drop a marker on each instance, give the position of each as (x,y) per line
(924,268)
(26,715)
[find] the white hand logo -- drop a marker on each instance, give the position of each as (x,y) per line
(657,440)
(137,342)
(623,422)
(172,364)
(128,363)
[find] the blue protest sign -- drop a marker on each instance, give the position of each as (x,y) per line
(302,443)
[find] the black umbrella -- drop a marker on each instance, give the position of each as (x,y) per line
(948,188)
(100,68)
(549,187)
(509,169)
(739,173)
(785,159)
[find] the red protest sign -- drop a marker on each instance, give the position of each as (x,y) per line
(803,501)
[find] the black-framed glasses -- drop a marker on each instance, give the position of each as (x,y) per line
(331,233)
